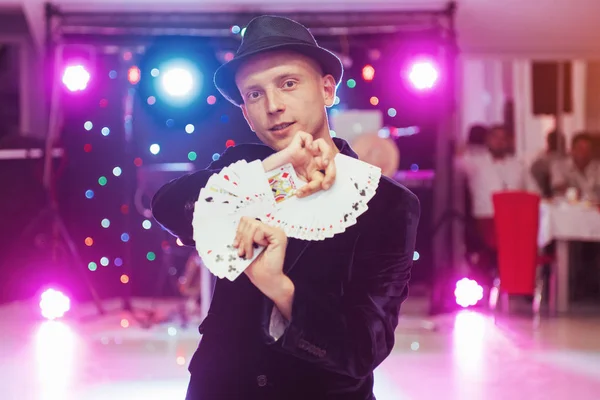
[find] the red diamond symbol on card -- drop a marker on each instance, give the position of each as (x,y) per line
(285,175)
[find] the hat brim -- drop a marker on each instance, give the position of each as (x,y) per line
(224,78)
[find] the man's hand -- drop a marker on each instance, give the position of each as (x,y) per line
(266,272)
(313,161)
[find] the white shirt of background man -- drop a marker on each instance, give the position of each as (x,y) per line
(564,172)
(486,176)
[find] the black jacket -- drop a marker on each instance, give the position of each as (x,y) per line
(346,305)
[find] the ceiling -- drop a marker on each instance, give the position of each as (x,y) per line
(531,28)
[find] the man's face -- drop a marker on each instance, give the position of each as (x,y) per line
(582,153)
(283,93)
(497,141)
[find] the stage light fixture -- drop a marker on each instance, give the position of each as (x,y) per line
(54,304)
(76,78)
(179,82)
(423,74)
(468,292)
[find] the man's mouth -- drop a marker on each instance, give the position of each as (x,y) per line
(280,127)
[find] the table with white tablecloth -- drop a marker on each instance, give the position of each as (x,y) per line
(564,222)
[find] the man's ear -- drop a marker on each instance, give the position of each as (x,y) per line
(329,89)
(245,114)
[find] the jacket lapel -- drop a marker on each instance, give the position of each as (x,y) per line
(295,250)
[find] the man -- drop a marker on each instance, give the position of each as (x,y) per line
(488,172)
(580,171)
(307,320)
(542,166)
(477,136)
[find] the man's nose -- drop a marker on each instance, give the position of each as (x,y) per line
(275,102)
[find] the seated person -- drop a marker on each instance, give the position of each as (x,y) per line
(579,171)
(541,167)
(582,173)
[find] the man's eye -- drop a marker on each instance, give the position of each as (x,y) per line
(289,84)
(253,95)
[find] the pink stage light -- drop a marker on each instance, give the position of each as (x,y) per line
(76,78)
(467,292)
(54,304)
(423,75)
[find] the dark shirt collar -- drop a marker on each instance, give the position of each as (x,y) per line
(344,147)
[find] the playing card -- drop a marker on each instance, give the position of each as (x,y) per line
(284,182)
(227,179)
(214,243)
(254,185)
(224,262)
(211,199)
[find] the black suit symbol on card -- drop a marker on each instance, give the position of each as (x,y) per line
(362,192)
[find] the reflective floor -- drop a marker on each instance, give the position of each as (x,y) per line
(462,356)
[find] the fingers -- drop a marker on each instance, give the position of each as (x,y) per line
(244,237)
(313,186)
(250,234)
(320,148)
(329,177)
(325,159)
(303,139)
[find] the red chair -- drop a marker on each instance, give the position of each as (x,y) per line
(516,215)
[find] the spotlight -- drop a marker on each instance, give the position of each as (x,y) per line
(176,80)
(76,78)
(467,292)
(179,82)
(54,304)
(423,75)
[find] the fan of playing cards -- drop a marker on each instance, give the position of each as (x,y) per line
(244,189)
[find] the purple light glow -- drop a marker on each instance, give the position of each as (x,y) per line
(54,304)
(423,75)
(76,78)
(467,292)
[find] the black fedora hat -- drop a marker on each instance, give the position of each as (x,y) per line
(268,33)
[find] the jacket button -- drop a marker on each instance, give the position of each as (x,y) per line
(261,380)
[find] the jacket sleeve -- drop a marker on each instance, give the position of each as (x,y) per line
(173,204)
(354,335)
